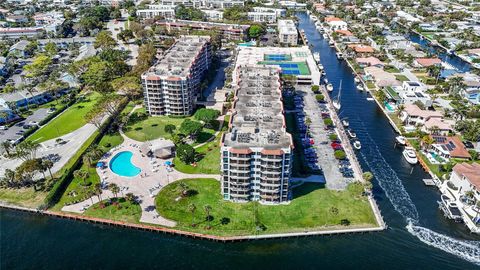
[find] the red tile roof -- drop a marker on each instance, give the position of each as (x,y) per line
(426,62)
(344,32)
(333,19)
(240,150)
(276,152)
(470,171)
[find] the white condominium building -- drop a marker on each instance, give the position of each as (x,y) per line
(257,151)
(167,11)
(287,32)
(172,85)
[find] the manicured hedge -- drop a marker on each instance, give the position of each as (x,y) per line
(61,184)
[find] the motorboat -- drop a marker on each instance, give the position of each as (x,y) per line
(345,123)
(325,35)
(357,145)
(401,140)
(357,80)
(450,208)
(410,155)
(331,43)
(336,101)
(360,87)
(351,133)
(320,66)
(330,87)
(325,80)
(316,56)
(339,55)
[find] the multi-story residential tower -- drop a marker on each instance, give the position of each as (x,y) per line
(172,85)
(257,151)
(287,32)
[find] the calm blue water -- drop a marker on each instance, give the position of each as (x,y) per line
(36,242)
(459,65)
(121,164)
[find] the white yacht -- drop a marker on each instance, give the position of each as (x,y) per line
(325,35)
(357,80)
(316,56)
(345,123)
(401,140)
(410,155)
(336,102)
(360,87)
(325,80)
(330,87)
(339,55)
(357,145)
(351,133)
(331,43)
(320,66)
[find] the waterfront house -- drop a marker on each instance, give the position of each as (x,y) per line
(448,147)
(381,77)
(463,187)
(362,50)
(3,66)
(426,62)
(397,42)
(412,115)
(438,126)
(369,62)
(335,23)
(471,89)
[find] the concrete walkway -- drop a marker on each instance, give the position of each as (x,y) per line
(146,185)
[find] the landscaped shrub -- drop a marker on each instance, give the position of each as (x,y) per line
(320,97)
(328,122)
(333,137)
(315,88)
(339,154)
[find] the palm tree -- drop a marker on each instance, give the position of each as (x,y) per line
(98,191)
(91,156)
(7,146)
(455,85)
(82,174)
(130,197)
(114,189)
(427,141)
(48,164)
(184,188)
(207,209)
(400,109)
(10,176)
(192,208)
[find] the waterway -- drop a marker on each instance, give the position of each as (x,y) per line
(459,65)
(431,242)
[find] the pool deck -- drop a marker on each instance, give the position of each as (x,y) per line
(152,178)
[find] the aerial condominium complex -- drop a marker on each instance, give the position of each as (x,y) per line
(172,85)
(257,150)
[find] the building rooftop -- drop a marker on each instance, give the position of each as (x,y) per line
(179,57)
(470,171)
(287,27)
(258,119)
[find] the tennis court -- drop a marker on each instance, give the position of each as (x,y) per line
(289,68)
(277,57)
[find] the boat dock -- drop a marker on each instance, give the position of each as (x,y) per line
(428,182)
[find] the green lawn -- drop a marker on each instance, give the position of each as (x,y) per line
(391,69)
(371,85)
(209,162)
(121,211)
(25,197)
(311,209)
(401,78)
(68,121)
(153,127)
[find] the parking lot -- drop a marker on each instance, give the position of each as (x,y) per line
(16,131)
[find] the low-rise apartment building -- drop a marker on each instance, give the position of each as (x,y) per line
(257,151)
(19,32)
(152,11)
(264,14)
(172,85)
(228,31)
(287,32)
(213,15)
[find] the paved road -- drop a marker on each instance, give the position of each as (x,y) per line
(115,27)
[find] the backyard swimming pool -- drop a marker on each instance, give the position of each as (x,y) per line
(121,164)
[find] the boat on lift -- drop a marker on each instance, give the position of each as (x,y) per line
(410,155)
(357,145)
(329,87)
(320,66)
(336,102)
(345,123)
(339,56)
(351,133)
(360,87)
(316,56)
(401,140)
(357,80)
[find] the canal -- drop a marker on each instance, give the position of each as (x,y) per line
(30,241)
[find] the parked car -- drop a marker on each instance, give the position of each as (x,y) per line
(3,127)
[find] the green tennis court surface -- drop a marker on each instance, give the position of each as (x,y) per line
(289,68)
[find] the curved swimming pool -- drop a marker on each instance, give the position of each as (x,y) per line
(122,165)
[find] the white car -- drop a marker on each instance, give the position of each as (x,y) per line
(33,123)
(3,127)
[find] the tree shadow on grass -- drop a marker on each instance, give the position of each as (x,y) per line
(306,189)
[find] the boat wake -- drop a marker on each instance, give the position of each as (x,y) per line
(403,204)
